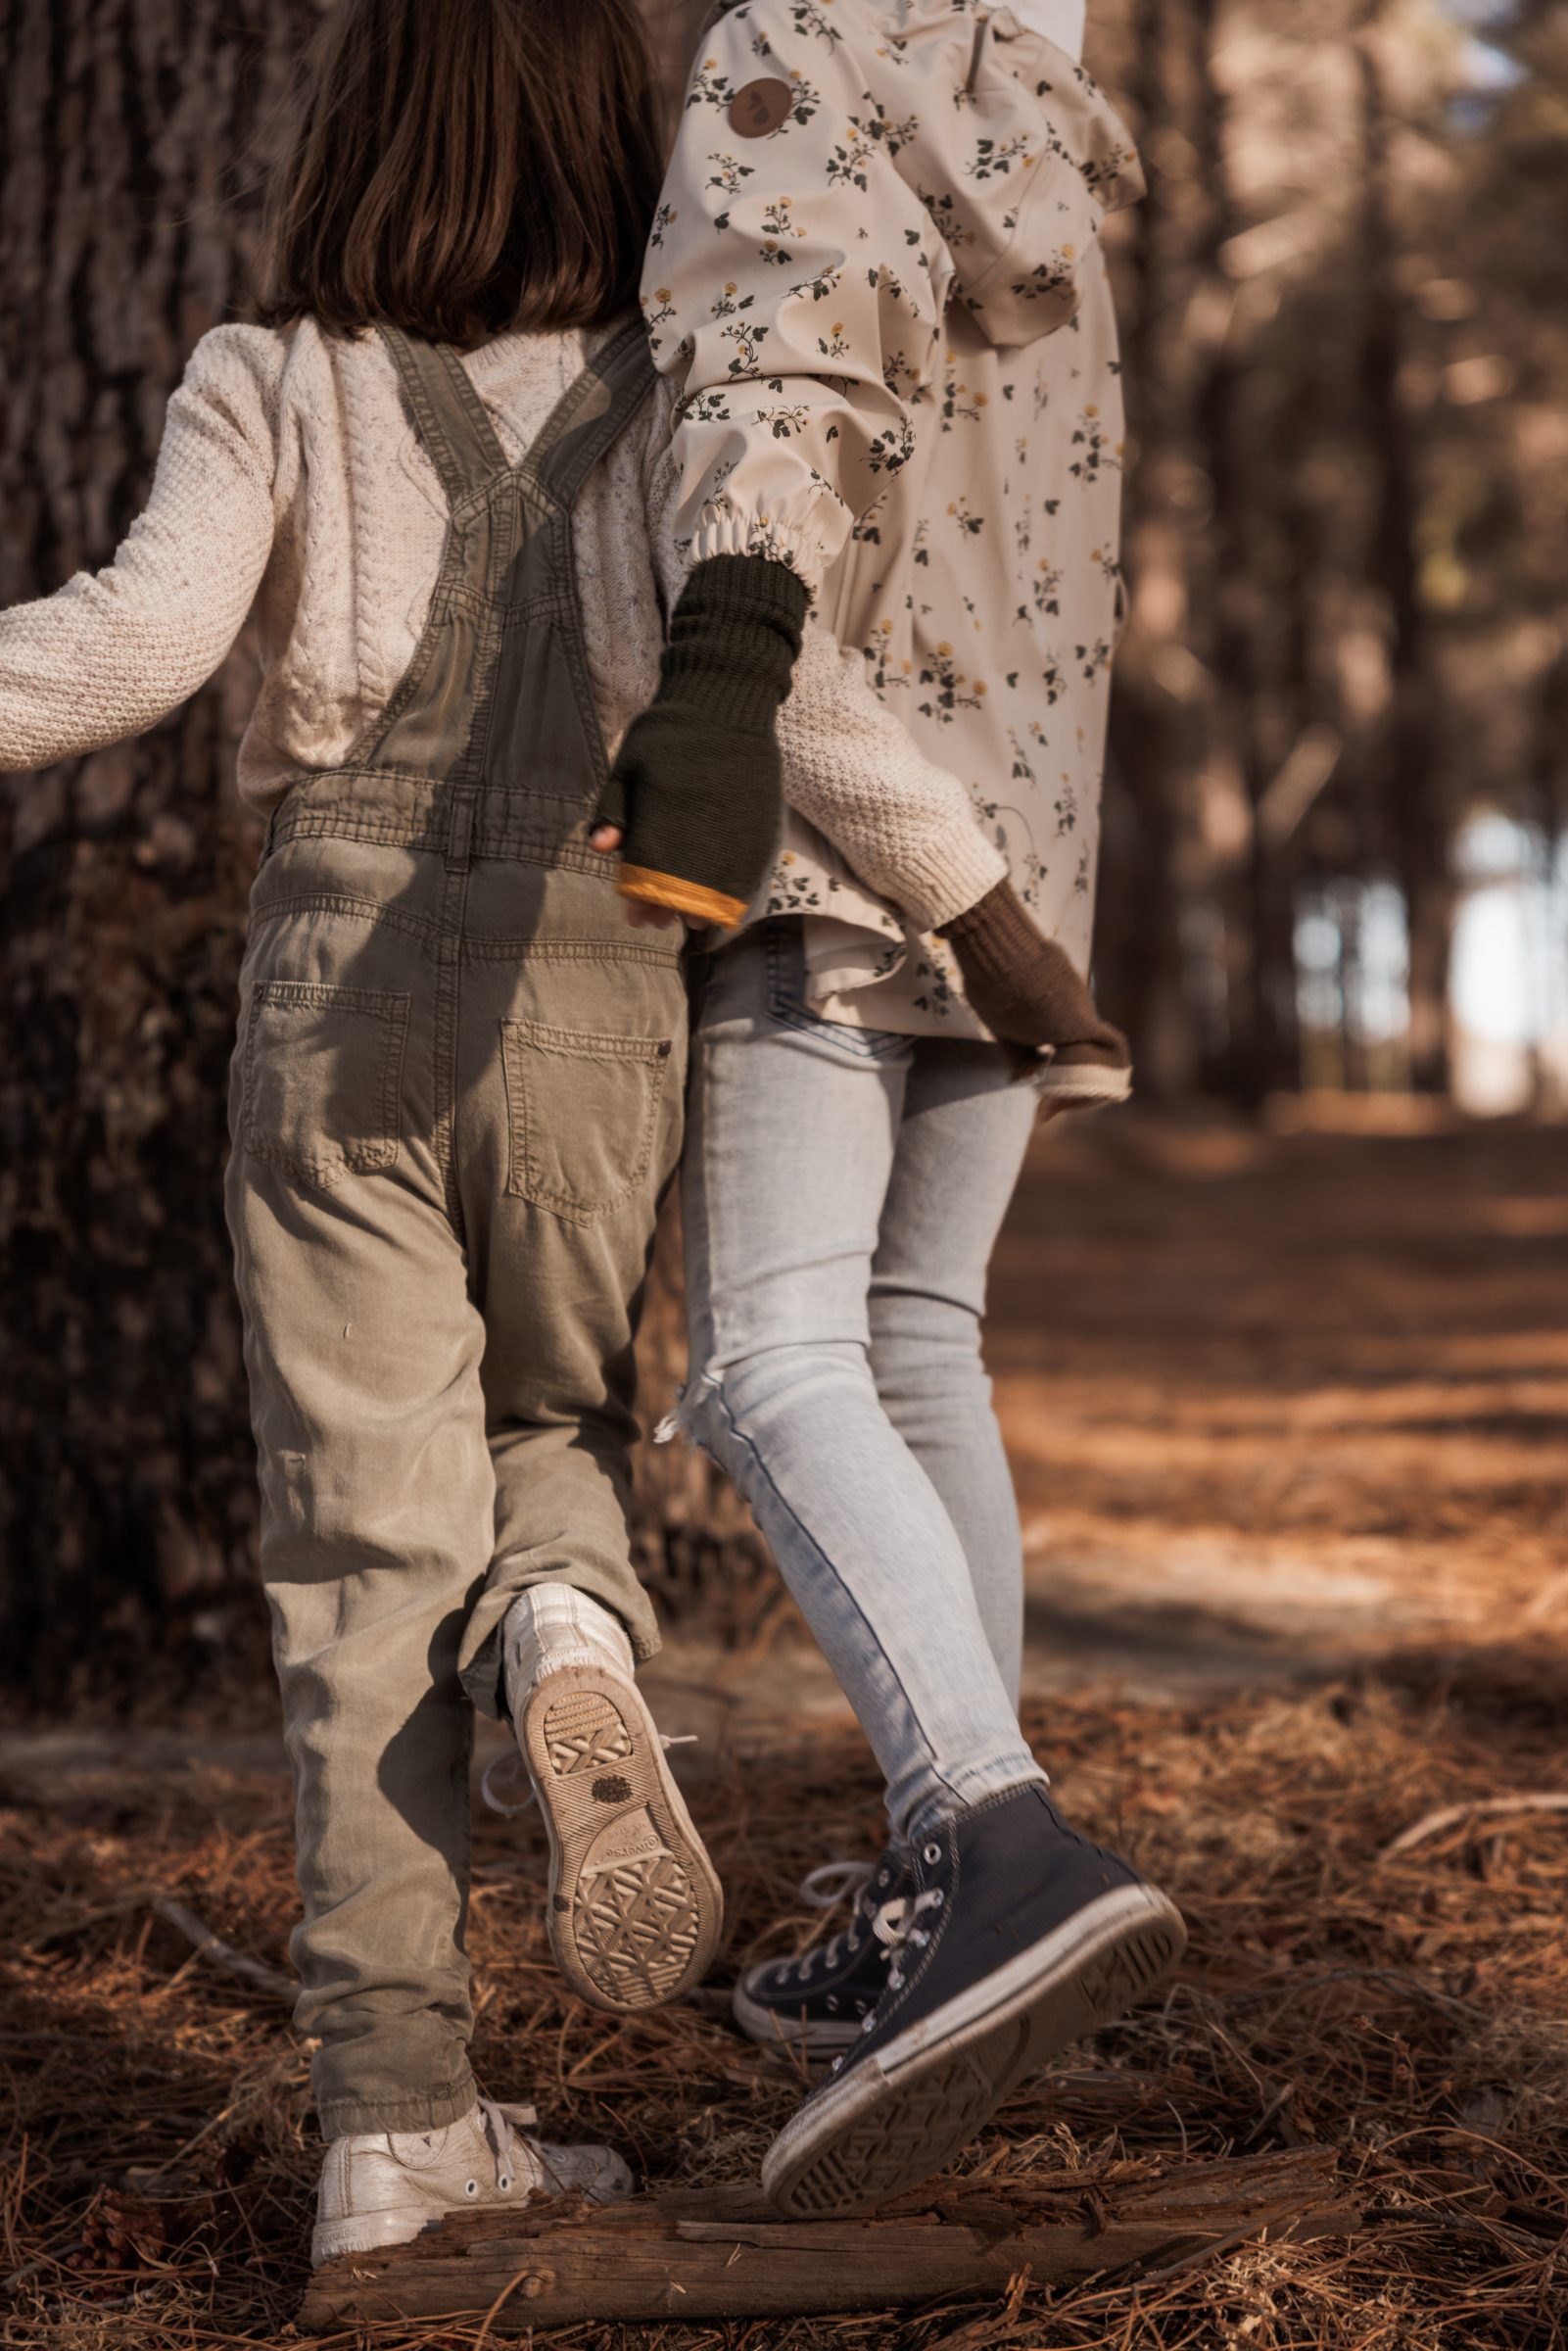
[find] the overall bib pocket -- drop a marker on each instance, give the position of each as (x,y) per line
(584,1113)
(323,1072)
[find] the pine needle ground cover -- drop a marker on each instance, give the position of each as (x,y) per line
(1287,1413)
(1408,2008)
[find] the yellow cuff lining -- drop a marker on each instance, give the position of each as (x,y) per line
(693,898)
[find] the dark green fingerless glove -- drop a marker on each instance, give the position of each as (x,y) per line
(697,783)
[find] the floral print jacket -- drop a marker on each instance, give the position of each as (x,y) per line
(877,274)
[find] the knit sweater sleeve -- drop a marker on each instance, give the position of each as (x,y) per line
(852,769)
(112,651)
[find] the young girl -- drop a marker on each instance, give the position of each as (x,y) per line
(877,278)
(438,479)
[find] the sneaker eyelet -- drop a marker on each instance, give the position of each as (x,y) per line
(930,1852)
(505,2185)
(470,2187)
(833,2002)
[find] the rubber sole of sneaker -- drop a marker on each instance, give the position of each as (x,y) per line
(900,2116)
(634,1909)
(371,2232)
(400,2224)
(777,2029)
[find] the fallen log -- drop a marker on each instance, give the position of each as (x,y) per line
(723,2255)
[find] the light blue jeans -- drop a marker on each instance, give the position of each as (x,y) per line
(843,1189)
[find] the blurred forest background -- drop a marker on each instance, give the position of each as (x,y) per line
(1338,799)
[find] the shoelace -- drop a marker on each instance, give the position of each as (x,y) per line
(896,1927)
(824,1886)
(502,2127)
(505,1773)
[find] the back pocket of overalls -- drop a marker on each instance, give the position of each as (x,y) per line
(583,1116)
(323,1076)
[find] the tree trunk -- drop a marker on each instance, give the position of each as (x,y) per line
(133,141)
(1418,818)
(1259,957)
(126,1489)
(1139,956)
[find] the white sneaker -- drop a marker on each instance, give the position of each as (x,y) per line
(386,2187)
(634,1909)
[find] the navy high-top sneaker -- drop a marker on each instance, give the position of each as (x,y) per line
(817,2001)
(1017,1938)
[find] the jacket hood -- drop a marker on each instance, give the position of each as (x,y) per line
(1043,156)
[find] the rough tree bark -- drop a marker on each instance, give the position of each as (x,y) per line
(130,146)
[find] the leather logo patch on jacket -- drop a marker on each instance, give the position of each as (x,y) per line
(757,111)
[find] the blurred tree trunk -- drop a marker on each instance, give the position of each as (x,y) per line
(1418,818)
(1139,954)
(1245,611)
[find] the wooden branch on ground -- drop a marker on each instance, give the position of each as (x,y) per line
(723,2255)
(218,1954)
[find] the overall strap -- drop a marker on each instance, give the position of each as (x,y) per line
(451,416)
(591,415)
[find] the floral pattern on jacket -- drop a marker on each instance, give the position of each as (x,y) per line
(846,170)
(890,318)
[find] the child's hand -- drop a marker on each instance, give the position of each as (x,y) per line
(637,914)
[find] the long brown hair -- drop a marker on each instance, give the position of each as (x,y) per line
(465,167)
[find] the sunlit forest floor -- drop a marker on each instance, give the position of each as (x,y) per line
(1289,1410)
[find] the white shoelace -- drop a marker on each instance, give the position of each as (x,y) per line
(505,1773)
(502,2125)
(824,1888)
(895,1927)
(892,1923)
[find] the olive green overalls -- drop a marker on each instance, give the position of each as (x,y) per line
(456,1097)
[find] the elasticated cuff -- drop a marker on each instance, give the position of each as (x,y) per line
(352,2118)
(791,543)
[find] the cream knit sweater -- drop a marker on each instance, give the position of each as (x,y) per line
(291,487)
